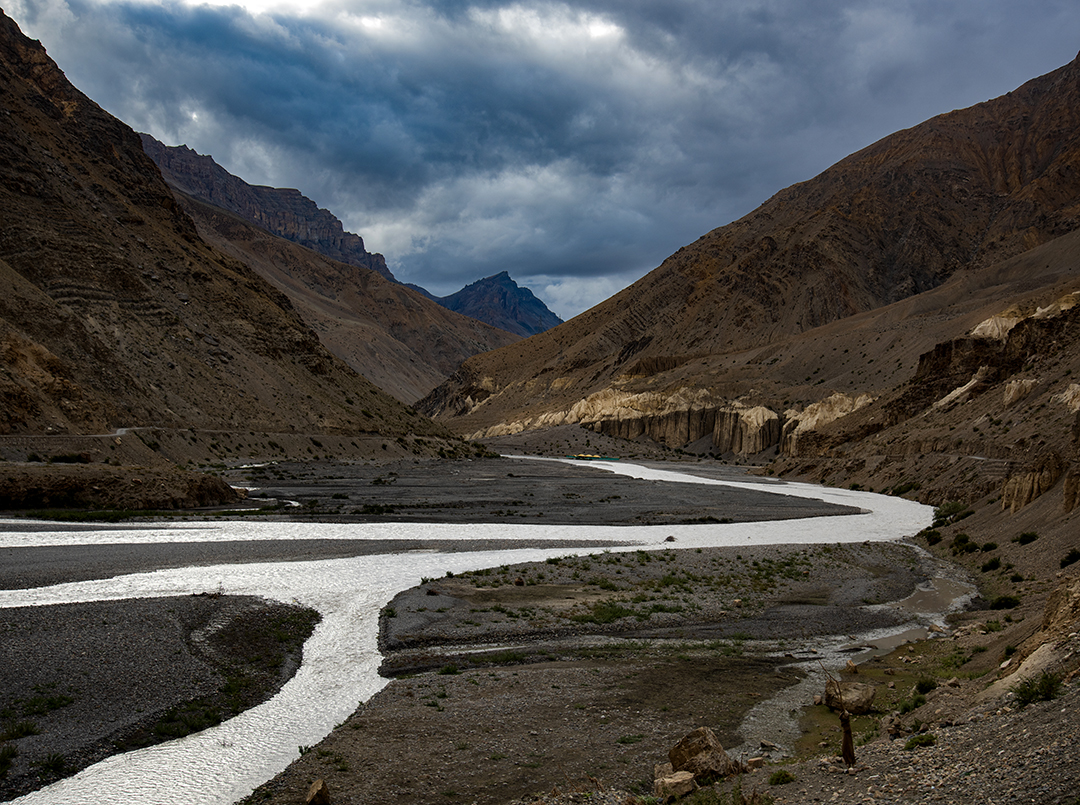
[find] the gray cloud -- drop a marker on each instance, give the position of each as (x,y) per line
(573,144)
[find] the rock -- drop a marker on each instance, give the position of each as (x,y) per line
(891,726)
(318,794)
(701,754)
(816,415)
(1019,490)
(1016,390)
(851,667)
(754,763)
(857,696)
(964,392)
(1070,398)
(746,431)
(678,784)
(662,770)
(1070,488)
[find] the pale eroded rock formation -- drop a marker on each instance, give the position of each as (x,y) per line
(816,415)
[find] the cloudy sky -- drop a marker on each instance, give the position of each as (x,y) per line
(573,144)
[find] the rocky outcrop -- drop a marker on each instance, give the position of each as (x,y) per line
(746,431)
(978,382)
(675,419)
(1016,390)
(1022,488)
(797,424)
(1070,398)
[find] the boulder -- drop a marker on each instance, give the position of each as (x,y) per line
(318,794)
(701,754)
(676,785)
(857,697)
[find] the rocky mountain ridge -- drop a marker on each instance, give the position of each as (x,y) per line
(398,339)
(496,301)
(285,212)
(501,302)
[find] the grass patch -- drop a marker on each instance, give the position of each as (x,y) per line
(781,777)
(1041,688)
(916,741)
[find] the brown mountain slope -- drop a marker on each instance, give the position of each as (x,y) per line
(113,311)
(398,339)
(963,190)
(283,211)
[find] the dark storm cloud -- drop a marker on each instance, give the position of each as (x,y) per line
(573,144)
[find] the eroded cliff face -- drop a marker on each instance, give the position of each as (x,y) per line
(673,419)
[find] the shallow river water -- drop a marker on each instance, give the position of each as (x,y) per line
(341,659)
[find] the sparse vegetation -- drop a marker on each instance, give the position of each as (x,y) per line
(922,739)
(781,777)
(1041,688)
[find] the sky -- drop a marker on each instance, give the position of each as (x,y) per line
(573,144)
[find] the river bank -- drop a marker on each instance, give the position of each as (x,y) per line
(506,689)
(82,682)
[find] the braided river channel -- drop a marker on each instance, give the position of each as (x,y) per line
(341,659)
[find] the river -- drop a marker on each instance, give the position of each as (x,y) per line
(225,763)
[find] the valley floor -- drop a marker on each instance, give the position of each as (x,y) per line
(576,676)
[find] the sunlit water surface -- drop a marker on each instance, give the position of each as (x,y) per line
(341,659)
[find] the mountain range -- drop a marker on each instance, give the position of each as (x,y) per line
(910,312)
(727,319)
(398,336)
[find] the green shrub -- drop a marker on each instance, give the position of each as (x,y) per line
(1005,602)
(923,739)
(906,706)
(933,536)
(1041,688)
(989,546)
(925,685)
(948,513)
(781,777)
(1026,538)
(449,670)
(1070,557)
(991,564)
